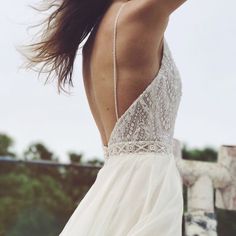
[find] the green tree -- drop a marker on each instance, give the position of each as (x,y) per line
(38,151)
(6,144)
(204,154)
(75,158)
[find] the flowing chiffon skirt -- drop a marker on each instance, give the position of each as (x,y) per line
(133,195)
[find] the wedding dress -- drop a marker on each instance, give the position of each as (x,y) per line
(138,190)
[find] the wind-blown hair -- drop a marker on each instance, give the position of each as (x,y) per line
(61,34)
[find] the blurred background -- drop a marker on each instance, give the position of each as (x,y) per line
(50,148)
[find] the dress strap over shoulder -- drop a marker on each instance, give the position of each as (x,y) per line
(114,58)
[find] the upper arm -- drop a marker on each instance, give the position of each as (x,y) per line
(160,7)
(169,5)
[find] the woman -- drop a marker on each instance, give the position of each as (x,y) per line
(133,88)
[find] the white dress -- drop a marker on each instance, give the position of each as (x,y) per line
(138,191)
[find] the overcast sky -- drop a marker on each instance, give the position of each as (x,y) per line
(201,35)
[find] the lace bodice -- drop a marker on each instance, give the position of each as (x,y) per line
(148,124)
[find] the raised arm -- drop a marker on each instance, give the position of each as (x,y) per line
(163,7)
(169,6)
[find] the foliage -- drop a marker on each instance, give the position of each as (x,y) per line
(38,151)
(206,154)
(75,158)
(6,144)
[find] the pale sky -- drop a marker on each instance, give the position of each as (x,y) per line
(201,35)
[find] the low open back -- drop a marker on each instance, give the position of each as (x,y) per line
(138,190)
(148,123)
(115,78)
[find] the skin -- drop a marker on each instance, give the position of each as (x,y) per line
(140,29)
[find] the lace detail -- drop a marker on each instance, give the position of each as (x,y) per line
(137,148)
(148,124)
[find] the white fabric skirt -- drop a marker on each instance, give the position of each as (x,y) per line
(133,195)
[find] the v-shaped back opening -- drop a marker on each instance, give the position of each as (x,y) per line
(156,77)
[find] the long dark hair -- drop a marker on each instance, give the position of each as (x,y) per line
(64,29)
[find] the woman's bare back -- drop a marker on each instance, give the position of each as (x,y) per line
(138,55)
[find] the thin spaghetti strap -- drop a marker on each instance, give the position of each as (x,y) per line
(114,58)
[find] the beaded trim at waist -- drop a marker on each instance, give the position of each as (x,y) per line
(137,147)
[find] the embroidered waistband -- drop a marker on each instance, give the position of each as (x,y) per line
(136,147)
